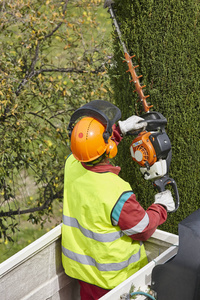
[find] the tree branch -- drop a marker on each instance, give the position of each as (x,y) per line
(31,210)
(58,26)
(31,72)
(60,70)
(68,70)
(34,114)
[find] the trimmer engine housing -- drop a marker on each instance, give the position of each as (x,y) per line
(142,150)
(149,147)
(152,144)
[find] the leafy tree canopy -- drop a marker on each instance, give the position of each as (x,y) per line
(53,59)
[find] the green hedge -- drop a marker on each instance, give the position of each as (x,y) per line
(165,37)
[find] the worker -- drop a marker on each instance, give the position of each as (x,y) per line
(103,224)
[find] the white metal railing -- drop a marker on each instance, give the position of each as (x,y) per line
(36,271)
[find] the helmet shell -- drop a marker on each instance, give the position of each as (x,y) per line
(87,142)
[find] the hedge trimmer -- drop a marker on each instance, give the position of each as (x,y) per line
(151,149)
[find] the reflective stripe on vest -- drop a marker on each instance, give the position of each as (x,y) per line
(100,237)
(88,260)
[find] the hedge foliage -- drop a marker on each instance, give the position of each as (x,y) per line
(164,35)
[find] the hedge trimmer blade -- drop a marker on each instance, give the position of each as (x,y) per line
(128,60)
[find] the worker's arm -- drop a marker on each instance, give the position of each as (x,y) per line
(134,221)
(117,135)
(131,124)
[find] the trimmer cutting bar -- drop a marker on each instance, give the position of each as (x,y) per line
(128,60)
(108,4)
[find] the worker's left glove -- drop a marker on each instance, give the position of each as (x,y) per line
(165,198)
(131,124)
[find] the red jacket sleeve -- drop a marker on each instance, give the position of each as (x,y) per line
(137,223)
(117,136)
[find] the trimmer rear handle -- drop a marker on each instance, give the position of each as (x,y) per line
(162,182)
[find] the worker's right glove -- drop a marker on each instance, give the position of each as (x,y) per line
(165,198)
(131,124)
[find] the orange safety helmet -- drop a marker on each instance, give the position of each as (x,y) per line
(88,143)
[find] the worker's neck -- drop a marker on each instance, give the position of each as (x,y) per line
(104,162)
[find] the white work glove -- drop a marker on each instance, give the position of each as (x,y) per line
(165,198)
(131,124)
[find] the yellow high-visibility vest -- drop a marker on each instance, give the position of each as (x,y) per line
(93,250)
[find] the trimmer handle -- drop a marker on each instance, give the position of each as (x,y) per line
(161,183)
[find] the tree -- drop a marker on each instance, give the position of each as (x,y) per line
(164,36)
(53,59)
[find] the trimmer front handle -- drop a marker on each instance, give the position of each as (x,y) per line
(162,182)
